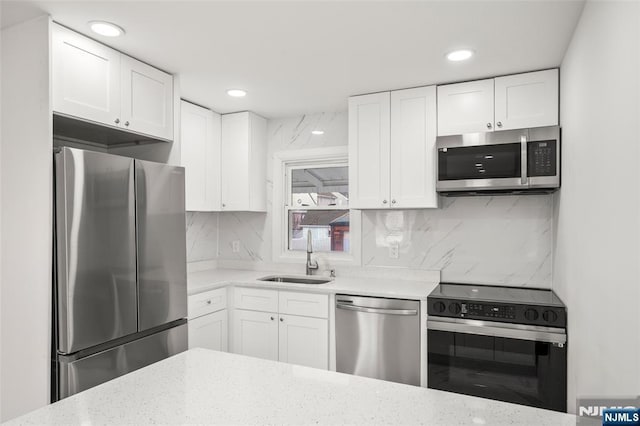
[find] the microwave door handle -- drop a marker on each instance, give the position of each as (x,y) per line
(524,160)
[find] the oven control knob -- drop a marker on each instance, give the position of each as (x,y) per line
(454,308)
(439,307)
(549,316)
(531,314)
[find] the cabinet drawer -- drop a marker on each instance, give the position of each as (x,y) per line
(304,304)
(207,302)
(256,299)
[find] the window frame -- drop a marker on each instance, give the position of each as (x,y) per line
(283,163)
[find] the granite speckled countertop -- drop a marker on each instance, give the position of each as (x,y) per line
(380,286)
(207,387)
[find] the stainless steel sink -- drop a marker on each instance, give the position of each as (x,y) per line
(294,279)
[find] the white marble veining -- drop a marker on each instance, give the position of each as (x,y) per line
(207,387)
(505,240)
(417,289)
(202,236)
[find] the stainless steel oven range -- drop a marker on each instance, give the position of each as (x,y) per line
(503,343)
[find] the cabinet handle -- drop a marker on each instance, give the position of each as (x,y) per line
(384,201)
(281,319)
(499,124)
(488,125)
(208,302)
(117,121)
(272,318)
(224,205)
(393,201)
(126,123)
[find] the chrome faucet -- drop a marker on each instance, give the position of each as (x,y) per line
(311,264)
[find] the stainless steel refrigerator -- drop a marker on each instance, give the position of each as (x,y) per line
(120,285)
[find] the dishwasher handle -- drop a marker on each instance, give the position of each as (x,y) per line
(377,310)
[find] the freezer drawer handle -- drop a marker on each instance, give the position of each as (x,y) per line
(377,310)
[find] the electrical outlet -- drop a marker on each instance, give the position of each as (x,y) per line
(236,246)
(394,250)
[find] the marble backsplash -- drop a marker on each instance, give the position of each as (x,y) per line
(503,240)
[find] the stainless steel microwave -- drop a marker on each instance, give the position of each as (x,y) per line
(507,161)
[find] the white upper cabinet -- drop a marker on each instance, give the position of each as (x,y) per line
(511,102)
(526,100)
(147,99)
(392,149)
(413,152)
(86,77)
(200,157)
(96,83)
(465,107)
(369,150)
(244,158)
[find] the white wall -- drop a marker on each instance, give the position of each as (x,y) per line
(26,179)
(597,253)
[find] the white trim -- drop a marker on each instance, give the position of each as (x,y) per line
(309,156)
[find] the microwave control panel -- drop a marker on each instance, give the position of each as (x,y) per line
(542,158)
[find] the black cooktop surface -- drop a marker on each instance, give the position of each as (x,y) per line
(486,293)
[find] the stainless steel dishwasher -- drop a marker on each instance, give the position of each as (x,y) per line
(378,338)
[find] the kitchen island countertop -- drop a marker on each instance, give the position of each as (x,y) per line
(207,387)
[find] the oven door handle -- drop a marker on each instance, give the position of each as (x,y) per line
(498,329)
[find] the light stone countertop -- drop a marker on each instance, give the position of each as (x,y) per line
(208,387)
(210,279)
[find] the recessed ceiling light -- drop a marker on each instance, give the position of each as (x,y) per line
(237,93)
(317,132)
(106,29)
(459,55)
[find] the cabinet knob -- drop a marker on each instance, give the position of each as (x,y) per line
(224,205)
(272,318)
(499,124)
(393,201)
(384,201)
(281,319)
(117,121)
(488,125)
(126,123)
(208,302)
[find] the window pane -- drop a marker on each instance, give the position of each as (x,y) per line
(329,230)
(320,186)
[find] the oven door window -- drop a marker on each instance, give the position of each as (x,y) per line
(480,162)
(513,370)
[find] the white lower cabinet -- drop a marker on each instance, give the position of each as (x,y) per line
(301,339)
(304,341)
(209,331)
(208,324)
(255,334)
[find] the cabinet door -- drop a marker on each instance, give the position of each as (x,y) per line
(304,341)
(465,107)
(527,100)
(413,152)
(369,149)
(200,157)
(255,334)
(86,78)
(209,331)
(235,161)
(147,99)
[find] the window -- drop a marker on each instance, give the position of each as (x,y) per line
(317,204)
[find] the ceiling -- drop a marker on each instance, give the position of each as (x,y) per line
(296,57)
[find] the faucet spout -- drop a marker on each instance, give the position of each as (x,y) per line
(312,265)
